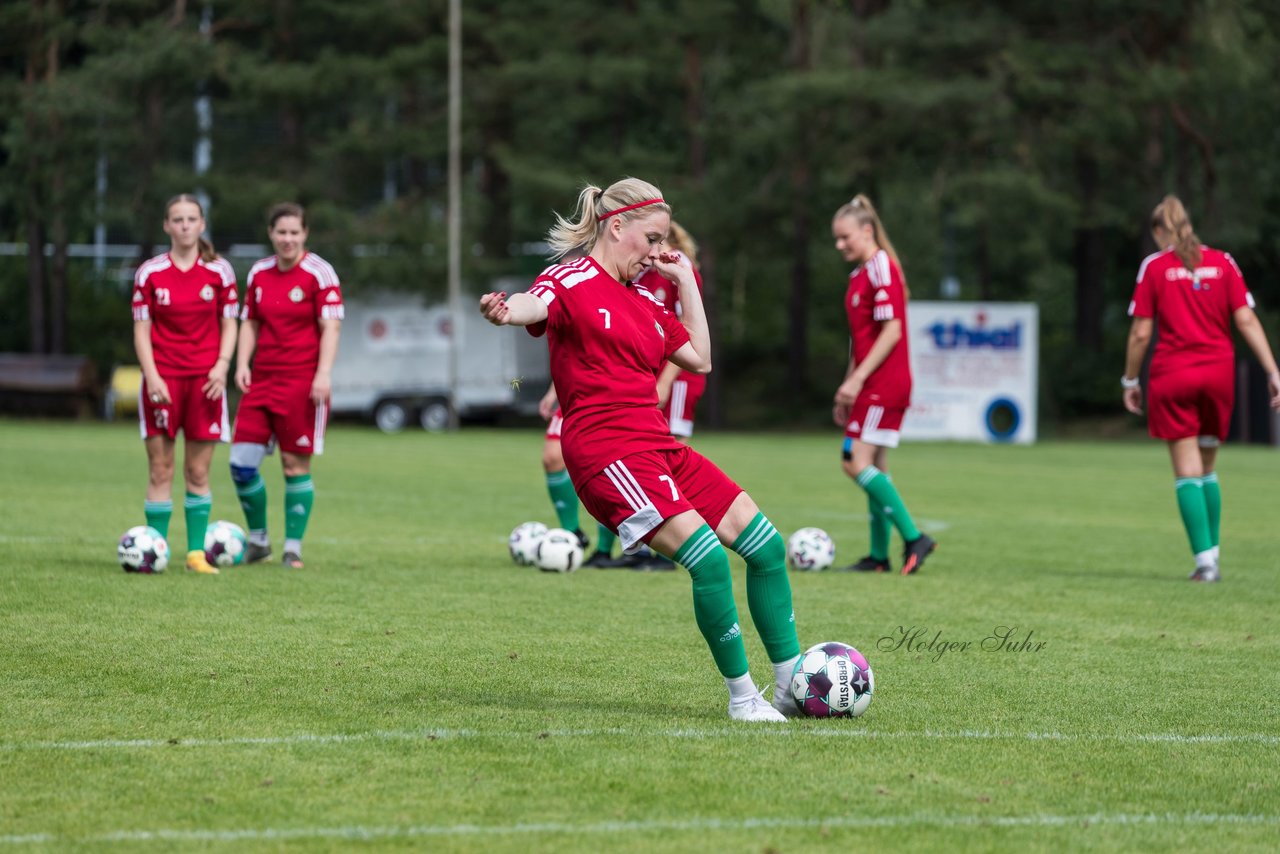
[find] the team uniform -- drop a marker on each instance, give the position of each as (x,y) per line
(875,295)
(688,387)
(1191,388)
(288,306)
(608,343)
(185,308)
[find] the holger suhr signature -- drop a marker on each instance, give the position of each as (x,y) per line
(920,639)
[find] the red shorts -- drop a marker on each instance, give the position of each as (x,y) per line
(279,407)
(1190,402)
(874,424)
(199,418)
(679,408)
(554,425)
(636,494)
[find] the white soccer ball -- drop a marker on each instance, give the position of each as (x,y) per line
(559,551)
(523,542)
(832,680)
(810,550)
(143,549)
(225,543)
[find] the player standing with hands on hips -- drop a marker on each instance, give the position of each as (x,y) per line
(290,325)
(184,331)
(872,400)
(1194,293)
(609,340)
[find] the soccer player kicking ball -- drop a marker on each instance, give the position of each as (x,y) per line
(184,330)
(608,341)
(1195,293)
(876,391)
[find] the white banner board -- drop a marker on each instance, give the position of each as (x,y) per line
(974,370)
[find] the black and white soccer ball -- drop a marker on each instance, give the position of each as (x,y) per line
(225,543)
(559,551)
(810,550)
(523,542)
(143,549)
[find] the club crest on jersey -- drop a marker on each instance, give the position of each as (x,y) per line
(857,298)
(206,293)
(296,294)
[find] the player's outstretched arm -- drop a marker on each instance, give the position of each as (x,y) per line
(1256,337)
(514,310)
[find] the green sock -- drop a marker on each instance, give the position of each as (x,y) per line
(158,513)
(881,529)
(197,509)
(299,494)
(768,588)
(253,498)
(1195,513)
(880,489)
(713,604)
(563,498)
(604,539)
(1213,504)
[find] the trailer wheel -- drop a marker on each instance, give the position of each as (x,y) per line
(390,416)
(435,415)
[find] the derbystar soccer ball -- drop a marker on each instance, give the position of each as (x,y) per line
(559,551)
(810,550)
(225,543)
(523,542)
(832,680)
(142,549)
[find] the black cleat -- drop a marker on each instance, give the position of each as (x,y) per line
(582,538)
(869,564)
(600,560)
(255,552)
(645,561)
(291,560)
(914,553)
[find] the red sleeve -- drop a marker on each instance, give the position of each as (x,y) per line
(228,298)
(248,311)
(329,302)
(142,294)
(544,288)
(886,284)
(1143,303)
(1237,291)
(674,334)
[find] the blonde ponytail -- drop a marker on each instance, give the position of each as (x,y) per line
(683,242)
(864,213)
(595,206)
(1172,217)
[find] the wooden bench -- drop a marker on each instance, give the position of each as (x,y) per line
(34,384)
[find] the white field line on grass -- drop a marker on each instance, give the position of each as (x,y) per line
(604,732)
(362,832)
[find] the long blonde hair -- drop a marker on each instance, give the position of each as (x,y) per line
(595,207)
(207,252)
(683,242)
(864,213)
(1171,216)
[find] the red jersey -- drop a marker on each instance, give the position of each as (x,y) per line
(1192,308)
(185,308)
(876,294)
(608,343)
(668,293)
(289,305)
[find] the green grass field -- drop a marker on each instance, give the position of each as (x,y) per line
(412,688)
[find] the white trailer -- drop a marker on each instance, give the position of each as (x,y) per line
(393,364)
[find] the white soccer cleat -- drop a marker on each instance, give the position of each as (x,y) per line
(755,708)
(785,703)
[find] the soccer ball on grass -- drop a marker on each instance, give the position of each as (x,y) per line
(523,542)
(225,543)
(832,680)
(810,550)
(559,551)
(143,549)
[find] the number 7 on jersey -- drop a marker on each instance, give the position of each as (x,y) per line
(605,312)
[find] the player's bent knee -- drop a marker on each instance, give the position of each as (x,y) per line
(246,459)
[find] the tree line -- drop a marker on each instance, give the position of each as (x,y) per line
(1013,146)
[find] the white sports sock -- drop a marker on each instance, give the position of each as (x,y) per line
(294,546)
(259,537)
(741,688)
(1215,554)
(782,671)
(1205,558)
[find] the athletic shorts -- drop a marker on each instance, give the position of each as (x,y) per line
(636,494)
(1191,402)
(279,406)
(199,418)
(555,425)
(874,424)
(679,408)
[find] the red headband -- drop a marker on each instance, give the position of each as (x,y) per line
(603,217)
